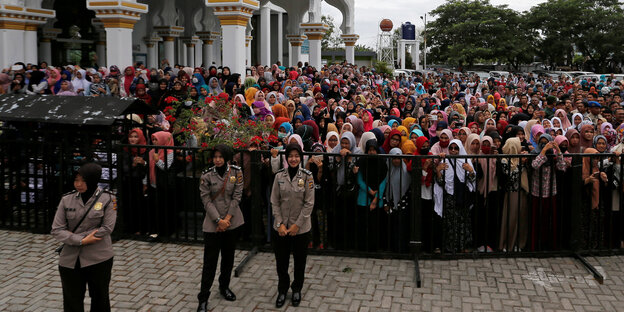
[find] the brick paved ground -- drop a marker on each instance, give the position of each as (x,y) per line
(165,277)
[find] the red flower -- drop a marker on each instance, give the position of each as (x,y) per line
(170,99)
(223,96)
(204,145)
(256,140)
(170,119)
(189,158)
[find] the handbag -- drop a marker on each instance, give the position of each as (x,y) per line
(97,196)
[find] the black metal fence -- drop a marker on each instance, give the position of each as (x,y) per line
(511,205)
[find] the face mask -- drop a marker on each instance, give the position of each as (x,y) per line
(279,148)
(485,149)
(563,149)
(424,151)
(444,144)
(282,135)
(195,80)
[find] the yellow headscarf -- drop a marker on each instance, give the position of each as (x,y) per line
(460,109)
(408,147)
(250,95)
(403,137)
(407,121)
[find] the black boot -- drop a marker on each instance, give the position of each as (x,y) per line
(281,299)
(203,306)
(296,298)
(228,294)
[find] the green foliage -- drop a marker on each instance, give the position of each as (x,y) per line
(464,32)
(331,40)
(591,27)
(382,67)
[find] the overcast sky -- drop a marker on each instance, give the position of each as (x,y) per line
(368,14)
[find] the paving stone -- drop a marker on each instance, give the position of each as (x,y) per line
(166,277)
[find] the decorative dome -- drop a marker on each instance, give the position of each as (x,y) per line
(386,25)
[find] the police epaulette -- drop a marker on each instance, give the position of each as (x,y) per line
(110,192)
(306,171)
(281,170)
(69,193)
(235,167)
(208,170)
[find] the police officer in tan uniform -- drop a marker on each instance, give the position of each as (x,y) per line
(87,254)
(221,189)
(292,199)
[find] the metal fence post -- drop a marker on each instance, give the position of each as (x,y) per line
(577,204)
(416,219)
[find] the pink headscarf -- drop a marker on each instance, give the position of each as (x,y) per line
(164,139)
(368,126)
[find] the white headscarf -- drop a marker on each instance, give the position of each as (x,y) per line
(81,83)
(449,177)
(365,137)
(398,179)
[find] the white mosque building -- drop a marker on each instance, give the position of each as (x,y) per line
(234,33)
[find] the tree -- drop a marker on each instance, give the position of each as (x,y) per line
(591,27)
(331,40)
(466,31)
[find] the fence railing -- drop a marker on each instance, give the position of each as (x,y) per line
(510,205)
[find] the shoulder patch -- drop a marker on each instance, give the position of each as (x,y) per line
(306,171)
(208,170)
(110,192)
(235,167)
(69,193)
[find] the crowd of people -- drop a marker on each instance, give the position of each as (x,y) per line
(469,203)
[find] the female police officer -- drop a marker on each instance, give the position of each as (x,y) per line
(221,189)
(292,199)
(83,222)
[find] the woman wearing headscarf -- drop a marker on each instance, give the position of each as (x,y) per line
(595,181)
(344,178)
(134,161)
(81,85)
(514,222)
(221,189)
(544,193)
(441,147)
(397,201)
(331,140)
(292,201)
(125,82)
(367,120)
(83,222)
(160,181)
(586,137)
(574,141)
(250,94)
(455,180)
(486,223)
(37,83)
(365,137)
(536,131)
(280,110)
(371,178)
(432,221)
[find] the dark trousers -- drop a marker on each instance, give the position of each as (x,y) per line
(75,281)
(224,242)
(283,246)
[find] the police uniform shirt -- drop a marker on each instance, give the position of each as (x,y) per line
(293,200)
(221,196)
(101,217)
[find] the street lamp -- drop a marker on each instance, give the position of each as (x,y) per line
(425,41)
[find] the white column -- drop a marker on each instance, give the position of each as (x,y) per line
(152,55)
(45,44)
(234,17)
(119,47)
(190,54)
(45,50)
(402,53)
(294,53)
(416,55)
(118,19)
(198,53)
(315,33)
(208,49)
(181,52)
(265,39)
(169,35)
(30,44)
(11,53)
(233,42)
(315,53)
(217,56)
(248,50)
(169,50)
(350,40)
(280,37)
(100,50)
